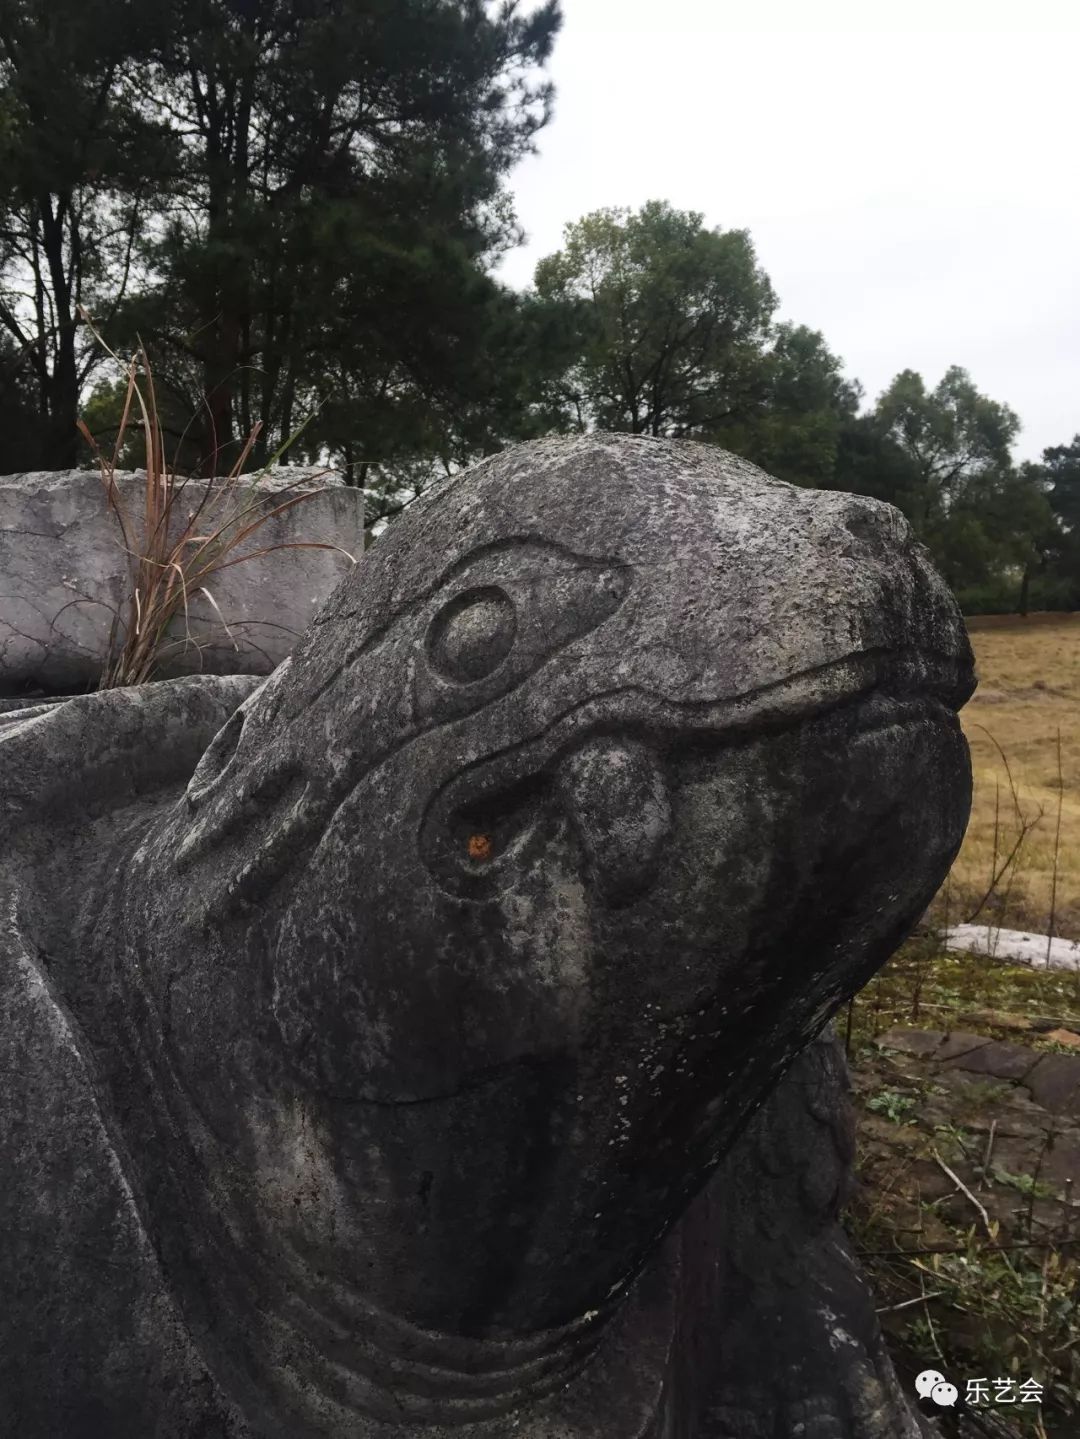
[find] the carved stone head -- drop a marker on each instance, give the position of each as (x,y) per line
(605,778)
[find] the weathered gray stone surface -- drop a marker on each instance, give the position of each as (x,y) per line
(435,1055)
(64,573)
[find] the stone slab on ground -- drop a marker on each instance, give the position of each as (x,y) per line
(65,572)
(1055,1083)
(1052,1080)
(971,1120)
(911,1041)
(957,1044)
(1038,950)
(997,1059)
(1018,1167)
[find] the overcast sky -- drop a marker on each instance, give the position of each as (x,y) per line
(909,173)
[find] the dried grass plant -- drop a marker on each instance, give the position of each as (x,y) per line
(175,551)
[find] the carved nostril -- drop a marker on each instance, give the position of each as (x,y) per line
(863,523)
(879,529)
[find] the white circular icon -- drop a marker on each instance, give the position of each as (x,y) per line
(944,1394)
(925,1382)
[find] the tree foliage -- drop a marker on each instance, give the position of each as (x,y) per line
(804,403)
(1058,563)
(671,319)
(1060,472)
(944,457)
(341,187)
(329,184)
(297,207)
(953,436)
(79,169)
(668,330)
(20,441)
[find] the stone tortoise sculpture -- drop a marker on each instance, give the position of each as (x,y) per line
(431,1039)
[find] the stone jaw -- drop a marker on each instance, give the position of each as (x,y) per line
(468,952)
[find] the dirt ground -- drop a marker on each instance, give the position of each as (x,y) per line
(966,1075)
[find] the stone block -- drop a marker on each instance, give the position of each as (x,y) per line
(66,572)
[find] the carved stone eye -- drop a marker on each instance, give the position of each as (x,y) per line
(471,636)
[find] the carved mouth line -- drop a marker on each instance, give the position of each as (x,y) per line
(489,817)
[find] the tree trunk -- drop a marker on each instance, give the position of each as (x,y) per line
(218,385)
(62,444)
(63,439)
(1025,591)
(288,404)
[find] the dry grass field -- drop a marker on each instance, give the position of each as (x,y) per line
(1029,692)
